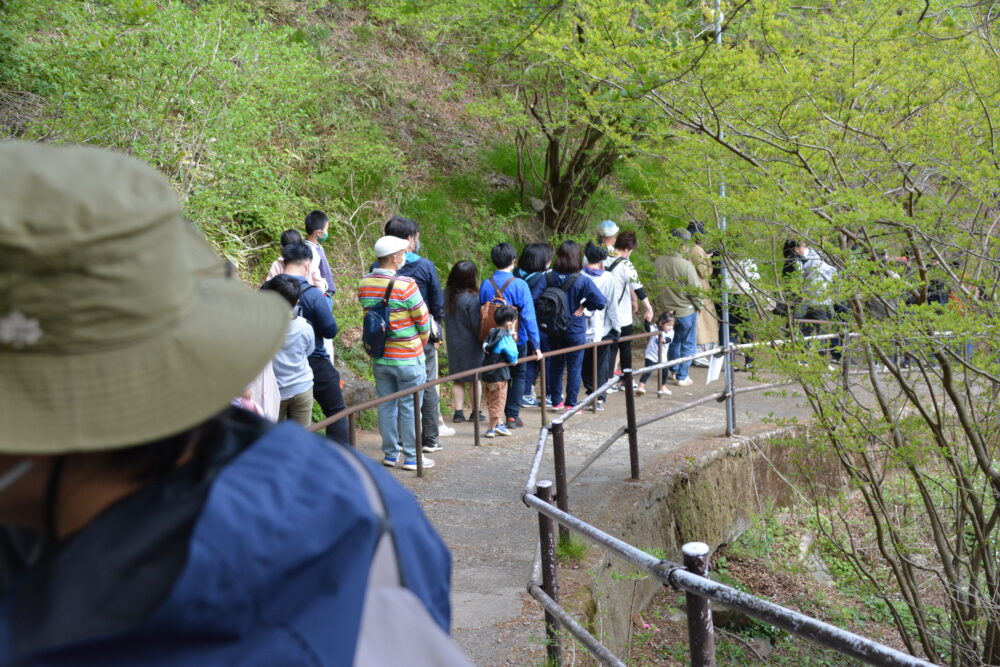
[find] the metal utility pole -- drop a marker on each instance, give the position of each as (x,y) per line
(727,367)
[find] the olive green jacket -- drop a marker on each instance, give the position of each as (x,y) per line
(680,287)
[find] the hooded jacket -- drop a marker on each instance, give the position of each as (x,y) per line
(261,560)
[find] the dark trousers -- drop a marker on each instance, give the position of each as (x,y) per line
(571,362)
(624,350)
(515,388)
(326,391)
(645,376)
(603,352)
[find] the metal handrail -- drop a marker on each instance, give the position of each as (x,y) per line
(537,494)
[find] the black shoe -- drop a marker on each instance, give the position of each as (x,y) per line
(482,417)
(458,418)
(514,422)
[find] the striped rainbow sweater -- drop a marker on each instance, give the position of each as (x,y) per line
(409,320)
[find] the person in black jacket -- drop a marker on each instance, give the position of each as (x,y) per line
(316,309)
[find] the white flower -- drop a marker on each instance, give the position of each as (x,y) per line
(18,330)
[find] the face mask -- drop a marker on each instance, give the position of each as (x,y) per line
(11,477)
(324,236)
(416,246)
(402,262)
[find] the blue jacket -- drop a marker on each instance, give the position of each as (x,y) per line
(423,271)
(316,309)
(262,560)
(518,294)
(498,347)
(583,292)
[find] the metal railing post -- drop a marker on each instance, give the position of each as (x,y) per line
(542,388)
(730,396)
(659,359)
(633,432)
(550,582)
(701,631)
(562,488)
(352,437)
(417,433)
(475,409)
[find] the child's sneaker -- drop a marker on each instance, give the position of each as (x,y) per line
(389,461)
(501,430)
(411,464)
(491,433)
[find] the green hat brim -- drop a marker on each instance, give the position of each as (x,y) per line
(149,389)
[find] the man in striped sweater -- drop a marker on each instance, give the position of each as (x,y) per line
(401,366)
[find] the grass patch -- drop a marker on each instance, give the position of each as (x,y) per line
(571,550)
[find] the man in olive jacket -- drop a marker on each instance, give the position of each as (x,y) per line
(680,292)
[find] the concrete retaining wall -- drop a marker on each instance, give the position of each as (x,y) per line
(712,500)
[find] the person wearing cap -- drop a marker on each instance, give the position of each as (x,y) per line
(423,271)
(401,365)
(681,293)
(143,520)
(607,233)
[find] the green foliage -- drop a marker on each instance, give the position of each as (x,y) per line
(571,550)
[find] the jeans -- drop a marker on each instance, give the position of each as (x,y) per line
(683,344)
(396,418)
(515,388)
(326,391)
(572,363)
(530,375)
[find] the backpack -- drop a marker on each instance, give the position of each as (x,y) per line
(375,328)
(387,597)
(611,270)
(486,319)
(552,309)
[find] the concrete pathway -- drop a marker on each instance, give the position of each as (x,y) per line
(472,496)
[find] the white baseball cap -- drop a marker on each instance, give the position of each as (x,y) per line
(390,245)
(607,228)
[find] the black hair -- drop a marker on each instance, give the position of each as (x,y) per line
(290,236)
(285,285)
(665,317)
(464,277)
(568,258)
(294,253)
(790,256)
(626,241)
(534,257)
(595,252)
(503,255)
(504,314)
(401,228)
(315,221)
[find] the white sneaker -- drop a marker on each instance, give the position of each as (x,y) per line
(686,382)
(663,392)
(411,464)
(431,448)
(444,430)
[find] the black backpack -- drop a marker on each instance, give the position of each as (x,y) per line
(375,327)
(552,308)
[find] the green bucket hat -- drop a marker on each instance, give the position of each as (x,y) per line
(118,324)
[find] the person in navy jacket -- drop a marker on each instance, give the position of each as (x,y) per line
(583,295)
(517,294)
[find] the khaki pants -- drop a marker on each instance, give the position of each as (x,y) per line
(298,408)
(496,399)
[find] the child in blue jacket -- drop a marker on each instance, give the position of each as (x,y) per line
(498,347)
